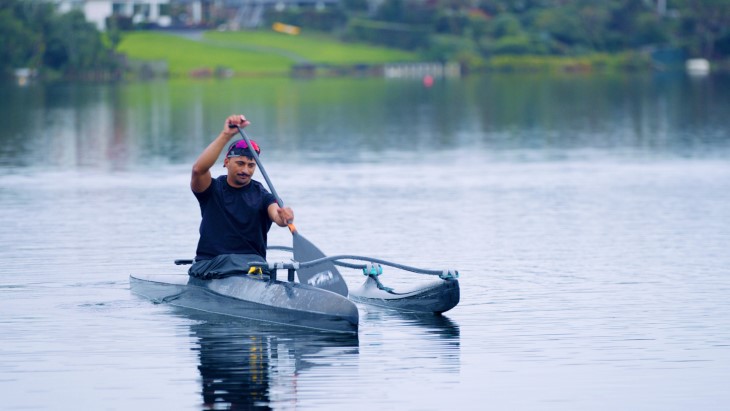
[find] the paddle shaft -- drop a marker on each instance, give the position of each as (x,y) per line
(258,163)
(323,276)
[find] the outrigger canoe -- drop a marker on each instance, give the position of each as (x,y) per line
(320,300)
(264,297)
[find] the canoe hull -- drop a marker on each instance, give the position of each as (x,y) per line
(435,297)
(254,298)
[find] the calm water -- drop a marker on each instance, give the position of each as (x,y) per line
(589,218)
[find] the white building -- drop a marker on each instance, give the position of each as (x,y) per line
(196,12)
(141,11)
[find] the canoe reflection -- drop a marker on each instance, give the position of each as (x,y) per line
(247,364)
(434,341)
(437,325)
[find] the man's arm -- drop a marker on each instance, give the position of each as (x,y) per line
(281,216)
(200,178)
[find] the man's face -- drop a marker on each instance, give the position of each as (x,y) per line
(240,170)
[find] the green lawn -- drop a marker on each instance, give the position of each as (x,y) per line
(251,52)
(314,47)
(183,55)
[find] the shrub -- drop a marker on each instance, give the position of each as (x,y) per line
(403,36)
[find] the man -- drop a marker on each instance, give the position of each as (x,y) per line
(237,211)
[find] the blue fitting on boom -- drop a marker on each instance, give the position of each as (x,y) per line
(449,275)
(373,270)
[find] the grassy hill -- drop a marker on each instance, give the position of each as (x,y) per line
(251,52)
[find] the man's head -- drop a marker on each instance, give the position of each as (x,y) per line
(240,163)
(240,148)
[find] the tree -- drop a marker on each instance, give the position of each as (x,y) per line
(17,46)
(35,35)
(710,22)
(74,45)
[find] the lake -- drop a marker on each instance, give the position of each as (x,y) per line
(588,216)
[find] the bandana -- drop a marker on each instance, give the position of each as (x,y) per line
(240,148)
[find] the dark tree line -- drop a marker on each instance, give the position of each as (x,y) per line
(442,28)
(35,35)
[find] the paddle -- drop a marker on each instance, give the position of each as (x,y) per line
(325,275)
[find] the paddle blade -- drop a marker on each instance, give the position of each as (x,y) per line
(325,275)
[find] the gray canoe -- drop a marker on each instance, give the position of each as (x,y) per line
(253,297)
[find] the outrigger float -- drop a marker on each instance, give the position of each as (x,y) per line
(320,299)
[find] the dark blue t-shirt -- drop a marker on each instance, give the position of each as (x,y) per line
(235,220)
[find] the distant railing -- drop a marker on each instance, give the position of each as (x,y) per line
(391,70)
(419,70)
(234,3)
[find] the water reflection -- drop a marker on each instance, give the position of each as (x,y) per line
(121,126)
(439,325)
(433,338)
(247,364)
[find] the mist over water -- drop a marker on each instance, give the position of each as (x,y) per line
(588,216)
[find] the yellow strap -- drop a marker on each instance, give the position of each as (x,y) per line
(255,270)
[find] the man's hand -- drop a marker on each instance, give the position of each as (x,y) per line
(201,178)
(286,216)
(234,120)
